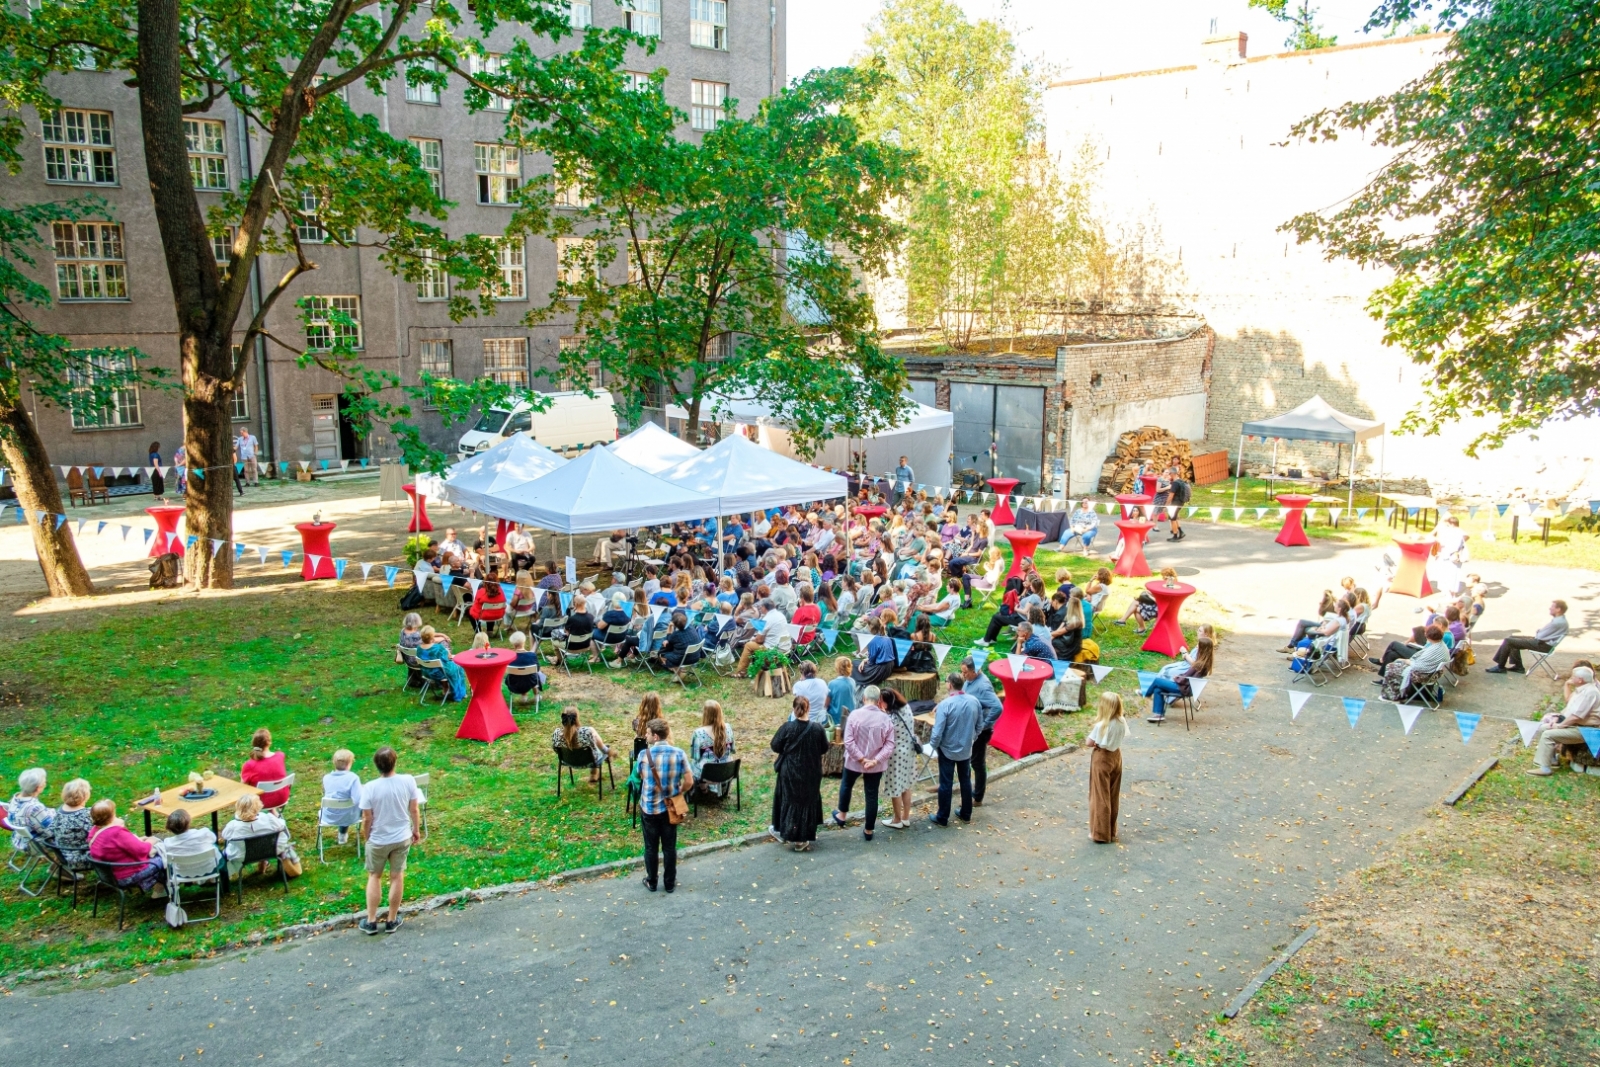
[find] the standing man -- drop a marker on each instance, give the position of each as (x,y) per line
(1508,657)
(955,723)
(904,476)
(663,773)
(980,689)
(390,824)
(246,446)
(1178,494)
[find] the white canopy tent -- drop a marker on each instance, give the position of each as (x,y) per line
(653,449)
(477,482)
(743,476)
(1315,420)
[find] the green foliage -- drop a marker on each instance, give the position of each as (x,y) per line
(768,659)
(1488,215)
(415,547)
(1301,18)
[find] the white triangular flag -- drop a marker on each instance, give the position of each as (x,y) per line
(474,583)
(262,553)
(366,569)
(1296,702)
(1216,513)
(1528,727)
(1408,716)
(316,561)
(64,471)
(861,641)
(1197,686)
(1016,659)
(1100,672)
(940,652)
(1333,514)
(216,546)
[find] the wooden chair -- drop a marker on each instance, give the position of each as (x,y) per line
(718,774)
(582,758)
(76,492)
(97,485)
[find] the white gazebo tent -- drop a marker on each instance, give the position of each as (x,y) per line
(475,483)
(1315,420)
(653,449)
(743,476)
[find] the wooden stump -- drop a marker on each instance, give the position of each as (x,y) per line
(833,761)
(918,686)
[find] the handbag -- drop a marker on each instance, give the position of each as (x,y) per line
(677,806)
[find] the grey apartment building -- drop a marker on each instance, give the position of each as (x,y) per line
(110,280)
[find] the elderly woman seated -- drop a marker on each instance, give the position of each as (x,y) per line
(249,820)
(72,824)
(26,812)
(523,684)
(135,861)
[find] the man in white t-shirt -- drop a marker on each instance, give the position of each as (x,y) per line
(390,824)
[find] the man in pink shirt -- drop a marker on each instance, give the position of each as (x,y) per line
(868,744)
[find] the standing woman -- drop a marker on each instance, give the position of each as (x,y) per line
(797,803)
(158,484)
(901,773)
(1105,768)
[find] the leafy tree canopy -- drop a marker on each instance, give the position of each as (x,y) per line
(1301,18)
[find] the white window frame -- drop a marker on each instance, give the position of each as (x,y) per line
(499,171)
(124,410)
(708,104)
(208,153)
(431,152)
(239,398)
(429,363)
(575,260)
(222,246)
(80,146)
(580,14)
(91,261)
(310,229)
(493,63)
(434,283)
(505,360)
(512,254)
(638,81)
(573,193)
(708,24)
(320,331)
(642,17)
(422,92)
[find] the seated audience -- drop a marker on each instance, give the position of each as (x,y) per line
(1030,643)
(252,819)
(1144,607)
(72,824)
(1582,709)
(135,861)
(265,765)
(411,630)
(712,743)
(1066,629)
(878,660)
(434,653)
(1397,678)
(184,840)
(489,604)
(26,812)
(1082,526)
(342,783)
(523,684)
(1175,682)
(1508,657)
(572,735)
(675,650)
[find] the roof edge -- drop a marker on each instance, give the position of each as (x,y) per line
(1252,59)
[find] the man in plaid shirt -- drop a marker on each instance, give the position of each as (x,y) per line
(669,777)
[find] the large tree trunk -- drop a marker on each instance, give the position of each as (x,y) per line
(29,463)
(210,498)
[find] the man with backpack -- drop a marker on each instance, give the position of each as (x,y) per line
(1172,492)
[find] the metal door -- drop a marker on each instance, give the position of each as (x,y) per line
(999,431)
(923,391)
(972,415)
(325,427)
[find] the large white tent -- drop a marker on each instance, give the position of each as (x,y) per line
(598,491)
(652,448)
(477,482)
(743,476)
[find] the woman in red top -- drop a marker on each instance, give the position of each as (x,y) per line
(134,860)
(488,603)
(265,765)
(807,614)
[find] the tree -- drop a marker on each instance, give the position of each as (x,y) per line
(743,256)
(1301,18)
(1488,215)
(285,65)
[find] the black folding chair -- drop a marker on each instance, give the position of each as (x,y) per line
(582,758)
(106,878)
(718,774)
(262,848)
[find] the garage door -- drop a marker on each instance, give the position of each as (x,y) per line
(999,431)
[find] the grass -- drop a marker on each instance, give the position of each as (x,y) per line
(1472,942)
(137,696)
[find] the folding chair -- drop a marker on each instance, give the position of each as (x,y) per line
(582,758)
(718,774)
(1359,644)
(570,646)
(691,656)
(414,677)
(54,864)
(423,781)
(203,869)
(19,856)
(1322,663)
(106,878)
(601,648)
(1541,660)
(525,672)
(1428,688)
(432,676)
(286,782)
(31,858)
(262,848)
(1191,707)
(330,804)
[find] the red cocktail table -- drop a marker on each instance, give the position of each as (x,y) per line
(1131,564)
(487,716)
(314,542)
(166,538)
(1002,487)
(1024,543)
(1147,484)
(419,511)
(1166,636)
(1411,577)
(1293,533)
(872,511)
(1132,503)
(1017,733)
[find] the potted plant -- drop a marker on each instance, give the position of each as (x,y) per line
(770,668)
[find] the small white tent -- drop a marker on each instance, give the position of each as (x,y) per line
(597,491)
(743,476)
(475,483)
(653,449)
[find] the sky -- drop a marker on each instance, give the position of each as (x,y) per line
(1074,38)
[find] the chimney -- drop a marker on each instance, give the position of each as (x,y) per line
(1225,49)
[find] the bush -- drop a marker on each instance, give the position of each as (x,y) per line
(768,659)
(415,547)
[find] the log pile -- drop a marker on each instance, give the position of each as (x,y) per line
(1153,446)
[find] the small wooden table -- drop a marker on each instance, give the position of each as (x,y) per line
(228,794)
(1405,504)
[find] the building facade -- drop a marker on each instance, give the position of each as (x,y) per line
(111,284)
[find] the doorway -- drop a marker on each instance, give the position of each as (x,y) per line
(999,431)
(351,444)
(325,427)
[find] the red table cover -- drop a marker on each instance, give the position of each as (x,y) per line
(487,716)
(1002,515)
(1023,545)
(1133,503)
(1166,636)
(420,523)
(314,542)
(166,538)
(1411,577)
(1293,532)
(1131,564)
(1017,733)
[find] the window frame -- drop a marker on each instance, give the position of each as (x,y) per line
(501,373)
(512,257)
(435,172)
(423,364)
(491,63)
(707,32)
(91,156)
(701,112)
(123,397)
(421,92)
(326,328)
(577,22)
(434,279)
(642,17)
(109,273)
(204,160)
(309,229)
(484,154)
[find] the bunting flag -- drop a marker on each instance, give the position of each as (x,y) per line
(939,653)
(188,542)
(81,524)
(1060,666)
(1472,512)
(216,546)
(199,472)
(1527,728)
(1297,700)
(508,591)
(238,468)
(1333,514)
(100,527)
(1016,660)
(59,520)
(339,566)
(305,464)
(831,638)
(445,582)
(1408,716)
(1100,672)
(1467,723)
(1145,678)
(1388,513)
(127,530)
(566,603)
(1361,513)
(1501,508)
(1196,687)
(389,575)
(473,584)
(902,647)
(861,641)
(262,552)
(287,556)
(147,533)
(1353,707)
(324,463)
(1591,737)
(344,464)
(1261,513)
(978,656)
(316,561)
(1247,693)
(238,552)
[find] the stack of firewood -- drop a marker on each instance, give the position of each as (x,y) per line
(1153,446)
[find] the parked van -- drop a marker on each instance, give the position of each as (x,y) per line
(572,421)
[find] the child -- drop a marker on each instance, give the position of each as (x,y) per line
(1105,767)
(480,641)
(342,783)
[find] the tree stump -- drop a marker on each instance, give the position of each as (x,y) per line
(914,686)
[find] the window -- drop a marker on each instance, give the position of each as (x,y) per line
(322,331)
(122,408)
(438,361)
(434,284)
(708,104)
(89,261)
(572,193)
(78,147)
(640,256)
(708,23)
(592,376)
(499,169)
(222,247)
(642,17)
(208,154)
(492,65)
(513,270)
(580,14)
(575,263)
(421,92)
(505,360)
(239,399)
(309,228)
(638,82)
(432,153)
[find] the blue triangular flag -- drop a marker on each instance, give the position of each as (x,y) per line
(338,567)
(198,472)
(22,513)
(1352,710)
(829,637)
(388,575)
(100,527)
(238,468)
(1247,693)
(566,603)
(126,530)
(1594,507)
(238,551)
(1411,512)
(1472,511)
(1060,666)
(1467,723)
(97,471)
(627,606)
(59,520)
(190,541)
(1361,513)
(1146,677)
(364,462)
(324,464)
(287,556)
(147,533)
(902,647)
(1501,508)
(979,656)
(508,590)
(446,581)
(1591,737)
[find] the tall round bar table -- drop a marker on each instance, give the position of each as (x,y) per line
(1132,503)
(1293,532)
(1024,543)
(420,523)
(166,538)
(1131,564)
(1411,577)
(487,716)
(1166,636)
(1002,514)
(314,542)
(1017,732)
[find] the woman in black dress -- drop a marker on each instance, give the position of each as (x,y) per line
(797,802)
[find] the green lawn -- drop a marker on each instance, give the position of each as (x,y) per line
(139,696)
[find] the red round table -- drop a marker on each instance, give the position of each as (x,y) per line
(166,537)
(314,542)
(1023,545)
(1411,577)
(487,716)
(1017,733)
(1293,533)
(1131,564)
(1166,636)
(419,511)
(872,511)
(1131,502)
(1147,484)
(1002,487)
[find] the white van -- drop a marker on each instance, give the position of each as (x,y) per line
(572,421)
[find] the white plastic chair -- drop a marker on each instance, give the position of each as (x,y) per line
(422,781)
(329,804)
(273,787)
